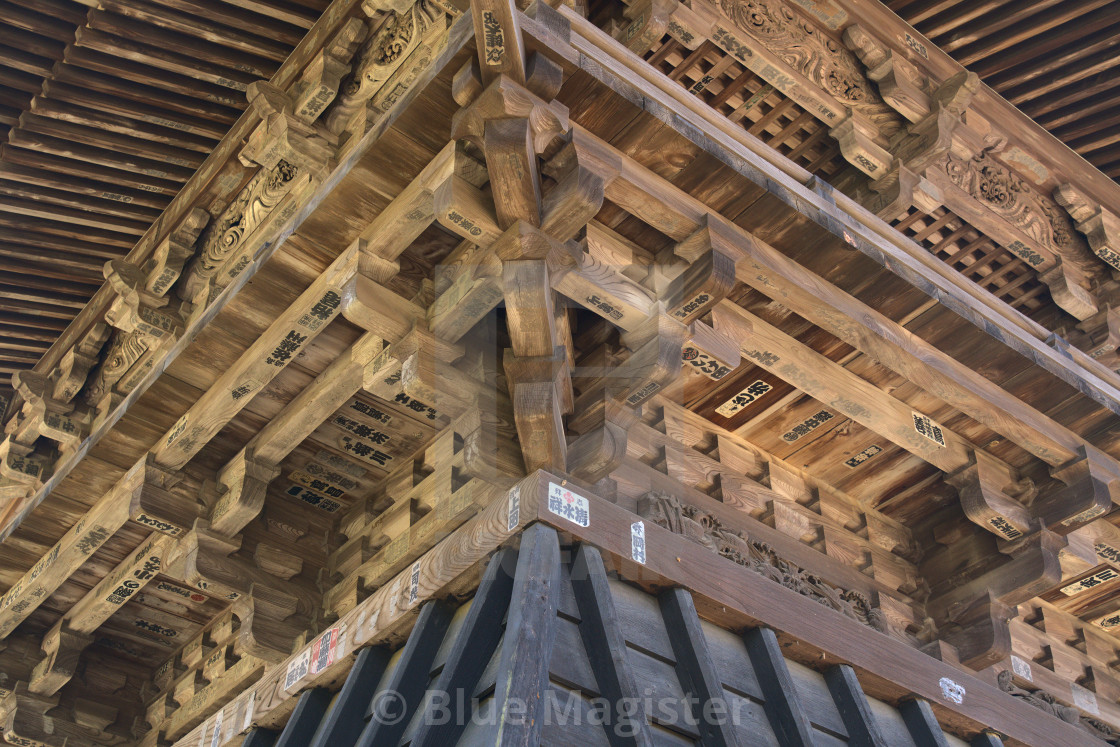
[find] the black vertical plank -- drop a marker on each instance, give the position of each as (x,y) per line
(470,653)
(695,668)
(863,730)
(343,723)
(260,738)
(986,739)
(305,719)
(602,636)
(922,724)
(783,706)
(522,679)
(389,710)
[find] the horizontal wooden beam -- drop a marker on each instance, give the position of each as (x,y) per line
(603,58)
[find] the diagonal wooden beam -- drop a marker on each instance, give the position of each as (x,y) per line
(696,669)
(783,705)
(601,631)
(522,681)
(830,383)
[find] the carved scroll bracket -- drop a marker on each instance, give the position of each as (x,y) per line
(283,136)
(244,482)
(995,498)
(1101,227)
(402,39)
(273,610)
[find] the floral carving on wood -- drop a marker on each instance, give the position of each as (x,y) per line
(701,527)
(382,54)
(1010,197)
(1044,701)
(224,236)
(818,57)
(126,349)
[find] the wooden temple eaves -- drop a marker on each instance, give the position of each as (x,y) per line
(485,300)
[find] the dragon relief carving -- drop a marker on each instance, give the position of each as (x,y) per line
(1010,197)
(1046,702)
(125,350)
(815,55)
(223,237)
(382,54)
(691,522)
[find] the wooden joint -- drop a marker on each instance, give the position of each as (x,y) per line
(535,385)
(979,632)
(283,136)
(379,310)
(319,82)
(1070,289)
(21,471)
(857,144)
(501,49)
(994,497)
(706,282)
(511,161)
(244,482)
(465,210)
(165,265)
(1034,569)
(601,445)
(602,289)
(23,716)
(655,362)
(646,22)
(153,505)
(505,98)
(442,385)
(544,77)
(710,352)
(1092,486)
(43,415)
(63,648)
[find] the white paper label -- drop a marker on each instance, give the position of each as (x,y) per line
(1090,582)
(513,514)
(1084,699)
(926,427)
(752,392)
(1087,515)
(568,505)
(951,691)
(414,583)
(704,363)
(324,650)
(217,738)
(1021,668)
(638,542)
(297,669)
(1109,621)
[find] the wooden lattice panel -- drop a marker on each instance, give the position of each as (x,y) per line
(971,253)
(743,97)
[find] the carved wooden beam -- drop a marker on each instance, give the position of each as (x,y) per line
(404,36)
(272,610)
(266,357)
(501,50)
(943,160)
(139,495)
(772,41)
(78,361)
(981,605)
